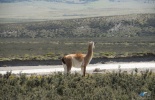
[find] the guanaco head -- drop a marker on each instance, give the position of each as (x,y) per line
(92,44)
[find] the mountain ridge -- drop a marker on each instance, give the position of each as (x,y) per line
(64,1)
(75,1)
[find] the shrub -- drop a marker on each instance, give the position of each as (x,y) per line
(116,85)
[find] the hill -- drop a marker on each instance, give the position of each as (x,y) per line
(135,25)
(115,36)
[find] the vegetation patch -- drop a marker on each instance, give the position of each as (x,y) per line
(54,49)
(115,85)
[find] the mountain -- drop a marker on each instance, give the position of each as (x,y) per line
(41,10)
(64,1)
(145,1)
(11,1)
(75,1)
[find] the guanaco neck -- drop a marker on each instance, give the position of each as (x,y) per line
(90,52)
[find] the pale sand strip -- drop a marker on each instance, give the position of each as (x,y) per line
(90,68)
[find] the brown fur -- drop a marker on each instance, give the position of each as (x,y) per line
(79,56)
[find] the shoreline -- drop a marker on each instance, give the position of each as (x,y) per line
(97,65)
(92,68)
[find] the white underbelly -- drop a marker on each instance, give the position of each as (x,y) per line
(76,63)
